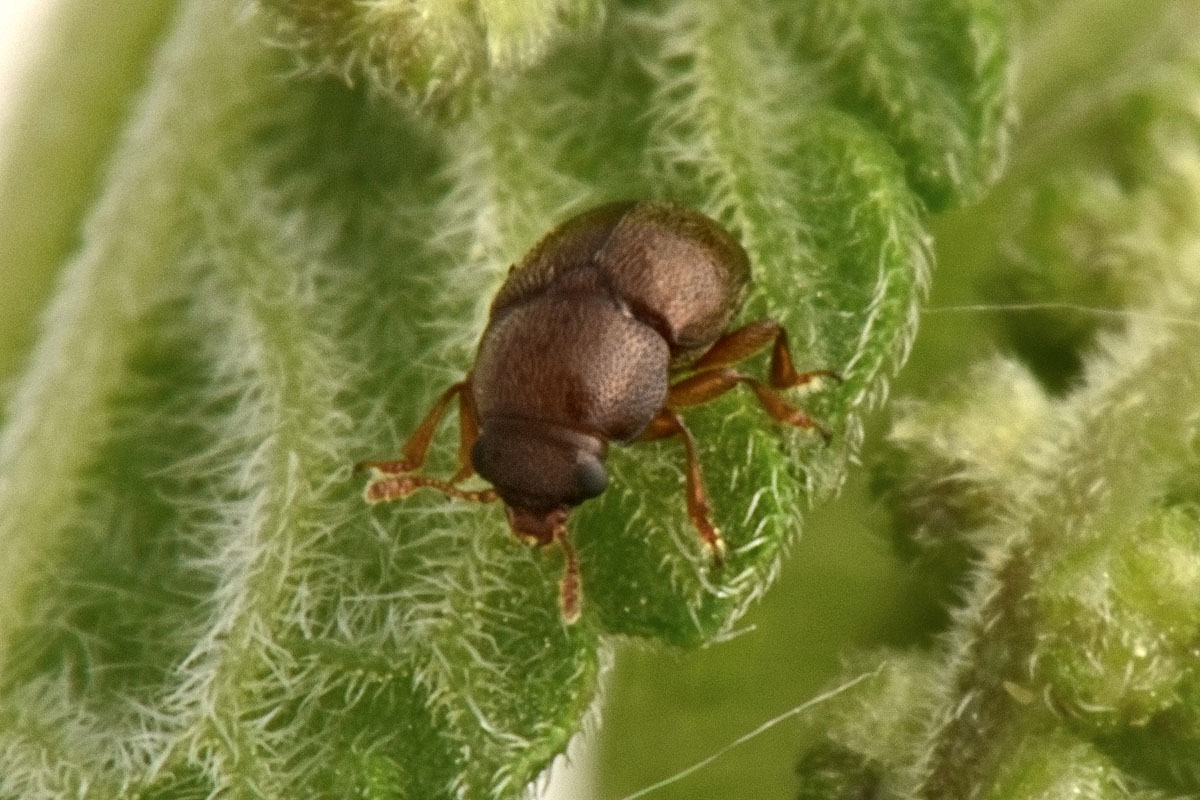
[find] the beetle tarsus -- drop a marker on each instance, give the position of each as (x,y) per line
(393,467)
(808,377)
(384,489)
(396,487)
(710,535)
(714,543)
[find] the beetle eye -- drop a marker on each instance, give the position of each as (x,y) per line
(590,477)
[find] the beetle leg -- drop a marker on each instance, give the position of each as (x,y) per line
(395,487)
(568,593)
(417,447)
(668,423)
(712,383)
(468,433)
(393,479)
(542,528)
(740,344)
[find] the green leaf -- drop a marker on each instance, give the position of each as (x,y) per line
(64,119)
(427,50)
(281,274)
(1070,667)
(807,188)
(931,75)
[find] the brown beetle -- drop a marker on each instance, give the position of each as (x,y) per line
(578,351)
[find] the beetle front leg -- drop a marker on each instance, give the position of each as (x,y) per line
(395,487)
(417,447)
(740,344)
(393,479)
(668,423)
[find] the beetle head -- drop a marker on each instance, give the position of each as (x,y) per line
(539,470)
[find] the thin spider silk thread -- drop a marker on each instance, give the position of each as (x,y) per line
(761,729)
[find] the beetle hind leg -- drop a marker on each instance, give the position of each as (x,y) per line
(712,383)
(740,344)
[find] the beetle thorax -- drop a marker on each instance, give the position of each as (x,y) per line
(573,359)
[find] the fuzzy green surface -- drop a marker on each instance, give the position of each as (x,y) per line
(1063,487)
(283,271)
(433,51)
(62,130)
